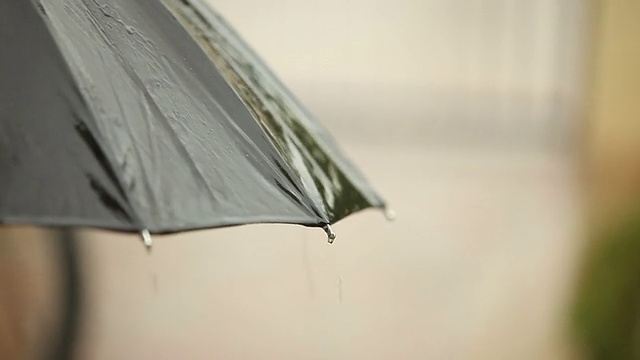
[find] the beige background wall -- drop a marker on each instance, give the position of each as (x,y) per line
(496,71)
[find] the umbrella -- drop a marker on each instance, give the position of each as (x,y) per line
(156,117)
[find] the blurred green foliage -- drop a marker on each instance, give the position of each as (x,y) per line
(607,313)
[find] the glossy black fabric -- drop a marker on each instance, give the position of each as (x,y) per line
(134,115)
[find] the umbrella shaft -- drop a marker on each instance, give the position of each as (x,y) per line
(71,291)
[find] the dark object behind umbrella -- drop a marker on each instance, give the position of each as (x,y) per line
(134,115)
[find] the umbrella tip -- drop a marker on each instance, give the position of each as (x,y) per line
(331,235)
(146,239)
(389,214)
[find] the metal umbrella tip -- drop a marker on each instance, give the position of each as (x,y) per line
(389,214)
(146,239)
(331,235)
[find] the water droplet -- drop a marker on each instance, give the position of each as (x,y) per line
(146,239)
(42,9)
(154,283)
(106,11)
(130,29)
(331,235)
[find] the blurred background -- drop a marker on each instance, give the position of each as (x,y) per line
(504,133)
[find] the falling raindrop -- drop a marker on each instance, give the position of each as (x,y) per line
(154,283)
(331,235)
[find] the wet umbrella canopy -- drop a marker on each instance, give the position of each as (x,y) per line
(154,116)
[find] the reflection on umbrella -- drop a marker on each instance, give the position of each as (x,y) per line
(155,117)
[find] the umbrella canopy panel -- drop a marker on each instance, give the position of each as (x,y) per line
(115,114)
(303,141)
(52,168)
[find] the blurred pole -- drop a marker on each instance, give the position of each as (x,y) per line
(71,280)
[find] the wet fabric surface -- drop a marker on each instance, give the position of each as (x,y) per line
(129,115)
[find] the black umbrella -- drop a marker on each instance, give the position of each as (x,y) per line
(155,117)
